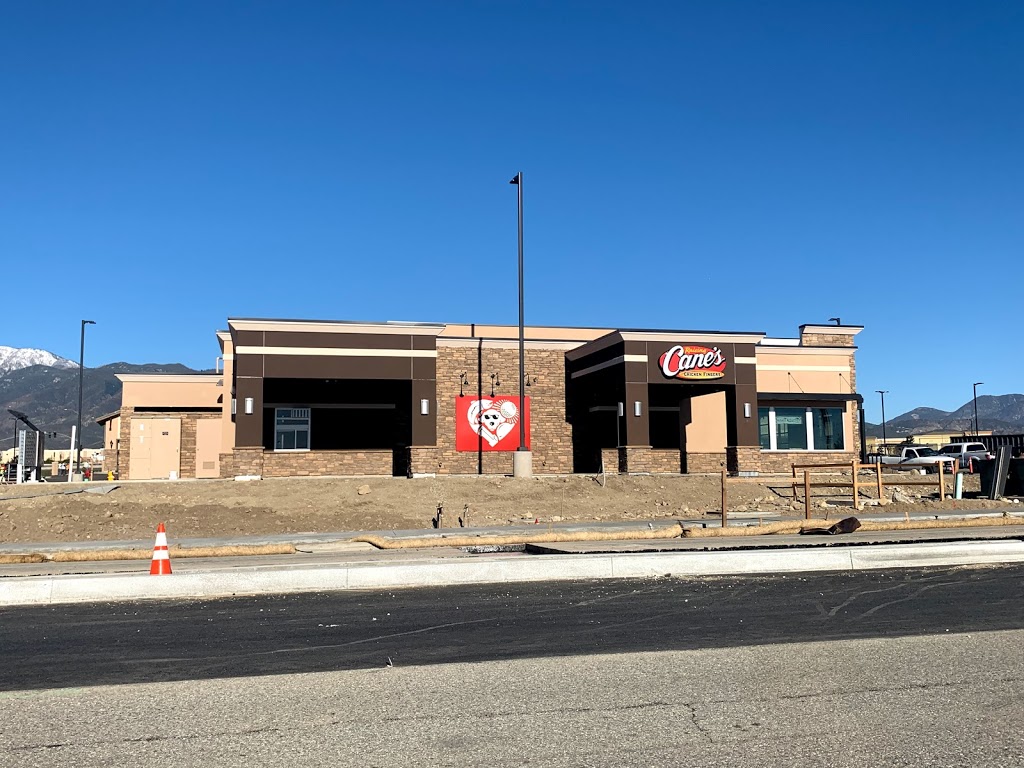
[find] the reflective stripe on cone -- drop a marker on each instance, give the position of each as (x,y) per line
(161,563)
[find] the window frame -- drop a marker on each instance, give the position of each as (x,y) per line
(808,426)
(294,428)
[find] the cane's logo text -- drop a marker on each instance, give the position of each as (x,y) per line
(693,362)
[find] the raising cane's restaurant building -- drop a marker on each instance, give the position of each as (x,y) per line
(299,397)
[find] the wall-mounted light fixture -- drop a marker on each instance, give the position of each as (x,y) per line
(637,408)
(622,410)
(424,407)
(463,383)
(234,406)
(495,382)
(248,405)
(746,410)
(529,380)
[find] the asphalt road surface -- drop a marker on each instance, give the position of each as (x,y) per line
(909,668)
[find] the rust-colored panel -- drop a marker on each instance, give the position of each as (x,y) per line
(637,428)
(248,338)
(249,365)
(248,427)
(424,342)
(424,427)
(327,367)
(337,340)
(424,368)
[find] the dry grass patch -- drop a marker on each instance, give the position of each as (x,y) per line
(795,526)
(99,555)
(672,531)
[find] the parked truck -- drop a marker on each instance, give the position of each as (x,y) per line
(915,456)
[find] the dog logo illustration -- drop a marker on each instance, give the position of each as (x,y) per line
(490,424)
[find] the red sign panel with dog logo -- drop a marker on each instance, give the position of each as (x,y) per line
(490,423)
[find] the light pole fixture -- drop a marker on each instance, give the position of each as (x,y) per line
(836,320)
(883,393)
(81,373)
(976,385)
(525,468)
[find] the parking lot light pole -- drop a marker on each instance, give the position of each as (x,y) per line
(976,385)
(883,393)
(522,461)
(81,371)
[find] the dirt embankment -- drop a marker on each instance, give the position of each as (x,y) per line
(227,507)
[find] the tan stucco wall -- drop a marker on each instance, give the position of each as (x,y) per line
(706,432)
(829,373)
(184,394)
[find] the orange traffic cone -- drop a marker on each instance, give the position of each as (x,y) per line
(161,559)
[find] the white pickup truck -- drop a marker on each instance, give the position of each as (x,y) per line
(916,456)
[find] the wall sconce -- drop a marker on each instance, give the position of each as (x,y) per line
(622,410)
(234,406)
(746,410)
(248,405)
(424,407)
(463,383)
(495,381)
(529,380)
(637,408)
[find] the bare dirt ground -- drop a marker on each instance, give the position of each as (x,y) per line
(210,508)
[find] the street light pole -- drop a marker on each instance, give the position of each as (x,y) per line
(522,464)
(81,372)
(976,385)
(883,393)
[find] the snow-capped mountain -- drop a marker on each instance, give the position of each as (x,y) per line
(12,359)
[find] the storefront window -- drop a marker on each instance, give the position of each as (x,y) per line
(801,429)
(291,429)
(828,428)
(791,429)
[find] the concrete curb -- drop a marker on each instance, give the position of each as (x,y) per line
(50,590)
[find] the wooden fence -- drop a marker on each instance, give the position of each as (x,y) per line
(855,483)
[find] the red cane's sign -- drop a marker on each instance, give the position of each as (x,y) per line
(693,362)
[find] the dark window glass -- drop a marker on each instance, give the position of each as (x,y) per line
(765,429)
(828,429)
(791,429)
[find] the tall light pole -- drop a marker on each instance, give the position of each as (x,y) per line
(883,393)
(522,463)
(976,385)
(81,371)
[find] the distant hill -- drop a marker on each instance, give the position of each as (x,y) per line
(1003,414)
(49,397)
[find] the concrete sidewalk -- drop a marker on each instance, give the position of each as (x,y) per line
(333,562)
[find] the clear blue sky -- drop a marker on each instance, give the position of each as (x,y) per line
(712,165)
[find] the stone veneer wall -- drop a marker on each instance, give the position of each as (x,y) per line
(827,340)
(743,458)
(550,434)
(256,461)
(782,462)
(187,449)
(698,463)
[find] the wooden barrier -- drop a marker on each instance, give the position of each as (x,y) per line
(854,483)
